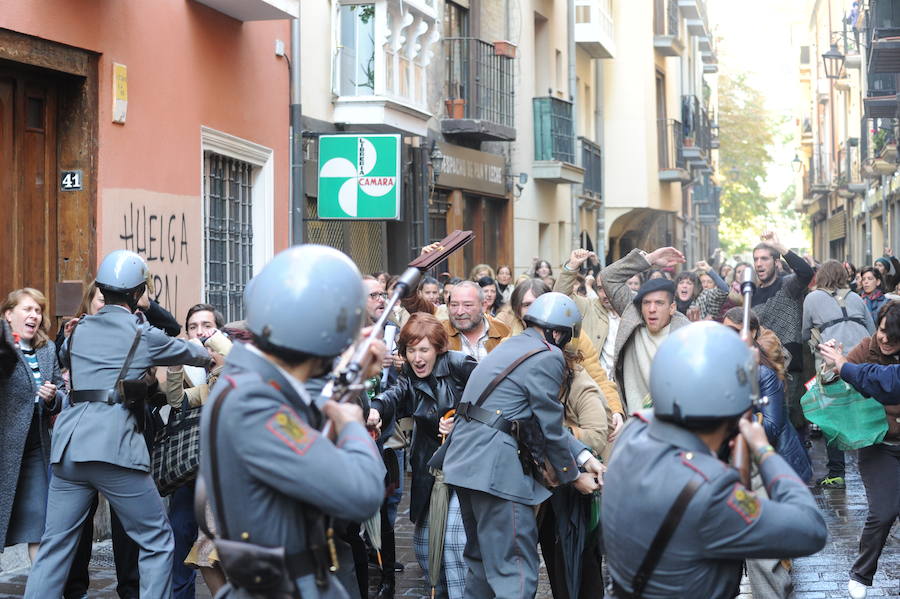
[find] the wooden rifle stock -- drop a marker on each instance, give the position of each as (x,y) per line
(348,378)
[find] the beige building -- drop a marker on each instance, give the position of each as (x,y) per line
(847,160)
(506,110)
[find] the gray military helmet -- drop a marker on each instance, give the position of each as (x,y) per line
(309,298)
(122,271)
(702,372)
(555,311)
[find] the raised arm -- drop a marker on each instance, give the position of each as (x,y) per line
(615,276)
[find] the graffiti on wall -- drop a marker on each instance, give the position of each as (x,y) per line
(164,230)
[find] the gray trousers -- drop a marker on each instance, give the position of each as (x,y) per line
(140,508)
(501,547)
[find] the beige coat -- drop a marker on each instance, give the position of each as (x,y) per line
(614,278)
(590,359)
(587,415)
(594,317)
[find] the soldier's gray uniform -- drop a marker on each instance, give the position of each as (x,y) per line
(495,496)
(275,466)
(724,522)
(96,447)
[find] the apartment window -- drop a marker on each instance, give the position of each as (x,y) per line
(357,55)
(228,232)
(456,21)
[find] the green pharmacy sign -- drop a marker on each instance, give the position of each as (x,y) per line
(359,176)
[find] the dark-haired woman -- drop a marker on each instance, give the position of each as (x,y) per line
(879,465)
(505,283)
(872,284)
(430,385)
(492,301)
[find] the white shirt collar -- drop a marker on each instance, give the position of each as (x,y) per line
(296,383)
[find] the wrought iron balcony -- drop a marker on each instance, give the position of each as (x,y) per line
(592,162)
(697,133)
(672,163)
(554,141)
(666,33)
(883,36)
(480,90)
(881,99)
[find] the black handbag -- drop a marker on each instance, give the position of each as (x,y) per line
(176,449)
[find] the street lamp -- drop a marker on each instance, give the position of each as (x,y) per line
(437,161)
(796,164)
(834,62)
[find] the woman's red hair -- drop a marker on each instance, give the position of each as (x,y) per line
(422,325)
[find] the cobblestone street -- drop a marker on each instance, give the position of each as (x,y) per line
(823,575)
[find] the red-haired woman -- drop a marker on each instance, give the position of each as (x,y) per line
(430,385)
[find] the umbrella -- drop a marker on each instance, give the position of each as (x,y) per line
(574,526)
(372,526)
(438,507)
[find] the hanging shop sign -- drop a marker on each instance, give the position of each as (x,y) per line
(359,177)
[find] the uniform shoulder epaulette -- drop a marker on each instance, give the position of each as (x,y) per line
(707,466)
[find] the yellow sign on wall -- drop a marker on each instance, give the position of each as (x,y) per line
(120,92)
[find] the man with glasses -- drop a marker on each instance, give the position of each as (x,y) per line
(471,331)
(376,298)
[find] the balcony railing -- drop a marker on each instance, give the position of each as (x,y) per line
(665,17)
(554,138)
(480,87)
(881,98)
(670,134)
(665,28)
(592,162)
(697,132)
(883,36)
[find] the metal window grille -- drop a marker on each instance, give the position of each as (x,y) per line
(228,232)
(473,64)
(364,241)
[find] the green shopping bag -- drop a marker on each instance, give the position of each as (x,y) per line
(847,419)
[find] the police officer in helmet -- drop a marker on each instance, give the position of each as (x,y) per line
(679,519)
(272,478)
(97,444)
(515,388)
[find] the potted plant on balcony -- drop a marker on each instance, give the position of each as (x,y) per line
(456,104)
(889,150)
(842,187)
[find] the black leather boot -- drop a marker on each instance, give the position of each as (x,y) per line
(386,588)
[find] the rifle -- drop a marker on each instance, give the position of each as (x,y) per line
(740,457)
(347,380)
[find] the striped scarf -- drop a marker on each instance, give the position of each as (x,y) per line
(32,361)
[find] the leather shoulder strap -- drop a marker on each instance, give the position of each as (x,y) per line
(130,356)
(199,503)
(69,343)
(506,372)
(663,536)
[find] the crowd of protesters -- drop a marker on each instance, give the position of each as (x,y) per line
(437,337)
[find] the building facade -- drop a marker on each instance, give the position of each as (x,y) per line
(159,127)
(848,127)
(191,132)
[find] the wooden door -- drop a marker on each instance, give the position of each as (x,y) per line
(28,173)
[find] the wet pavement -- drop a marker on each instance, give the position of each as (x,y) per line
(820,576)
